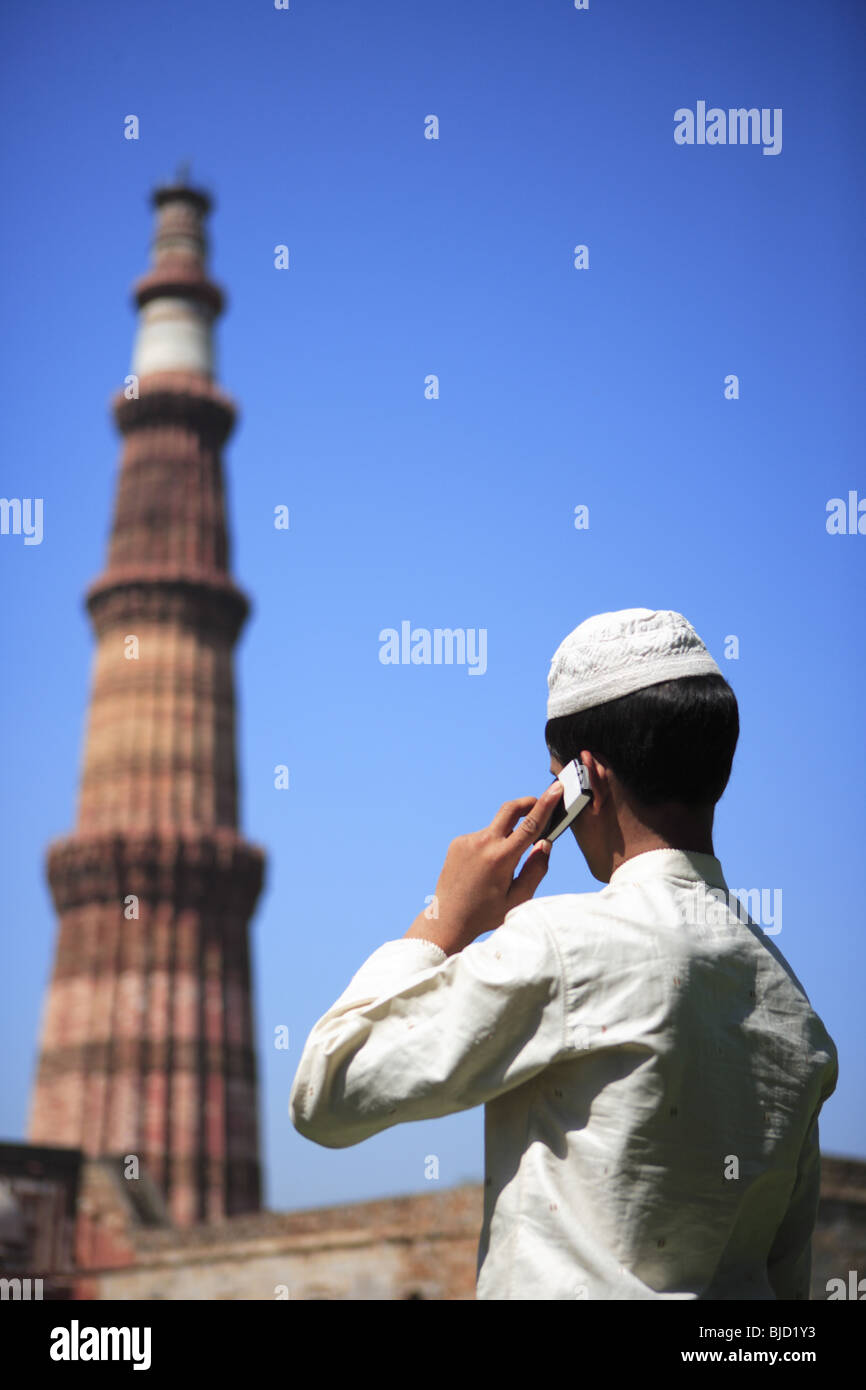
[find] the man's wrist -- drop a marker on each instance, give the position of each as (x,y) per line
(428,929)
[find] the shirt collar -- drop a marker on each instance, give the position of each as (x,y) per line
(670,863)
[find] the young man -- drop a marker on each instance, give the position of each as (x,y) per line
(651,1068)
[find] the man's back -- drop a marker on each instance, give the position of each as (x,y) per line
(670,1150)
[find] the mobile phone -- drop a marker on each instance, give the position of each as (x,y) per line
(575,795)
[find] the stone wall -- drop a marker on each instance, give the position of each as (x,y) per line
(404,1247)
(420,1247)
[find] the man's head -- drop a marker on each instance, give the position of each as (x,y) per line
(638,698)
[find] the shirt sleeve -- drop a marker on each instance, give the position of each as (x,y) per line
(789,1264)
(418,1034)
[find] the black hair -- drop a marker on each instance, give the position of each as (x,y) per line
(673,741)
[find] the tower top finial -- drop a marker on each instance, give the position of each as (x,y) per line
(180,187)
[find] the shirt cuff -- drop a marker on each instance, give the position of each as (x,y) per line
(421,941)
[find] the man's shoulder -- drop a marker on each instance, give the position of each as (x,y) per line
(586,913)
(619,925)
(555,907)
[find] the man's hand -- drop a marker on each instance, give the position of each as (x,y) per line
(477,886)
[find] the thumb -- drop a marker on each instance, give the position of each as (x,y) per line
(532,873)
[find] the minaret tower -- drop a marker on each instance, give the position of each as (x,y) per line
(147,1045)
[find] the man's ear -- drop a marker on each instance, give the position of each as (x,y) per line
(599,780)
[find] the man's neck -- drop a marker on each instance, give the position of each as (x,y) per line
(672,829)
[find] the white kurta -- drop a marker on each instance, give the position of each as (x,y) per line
(652,1076)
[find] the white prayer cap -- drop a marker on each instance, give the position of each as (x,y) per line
(614,654)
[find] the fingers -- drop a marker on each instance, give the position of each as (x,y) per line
(509,814)
(534,822)
(533,871)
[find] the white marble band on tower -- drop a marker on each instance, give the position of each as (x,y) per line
(174,335)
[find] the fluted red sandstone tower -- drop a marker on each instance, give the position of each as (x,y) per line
(147,1044)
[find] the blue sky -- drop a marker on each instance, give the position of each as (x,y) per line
(559,387)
